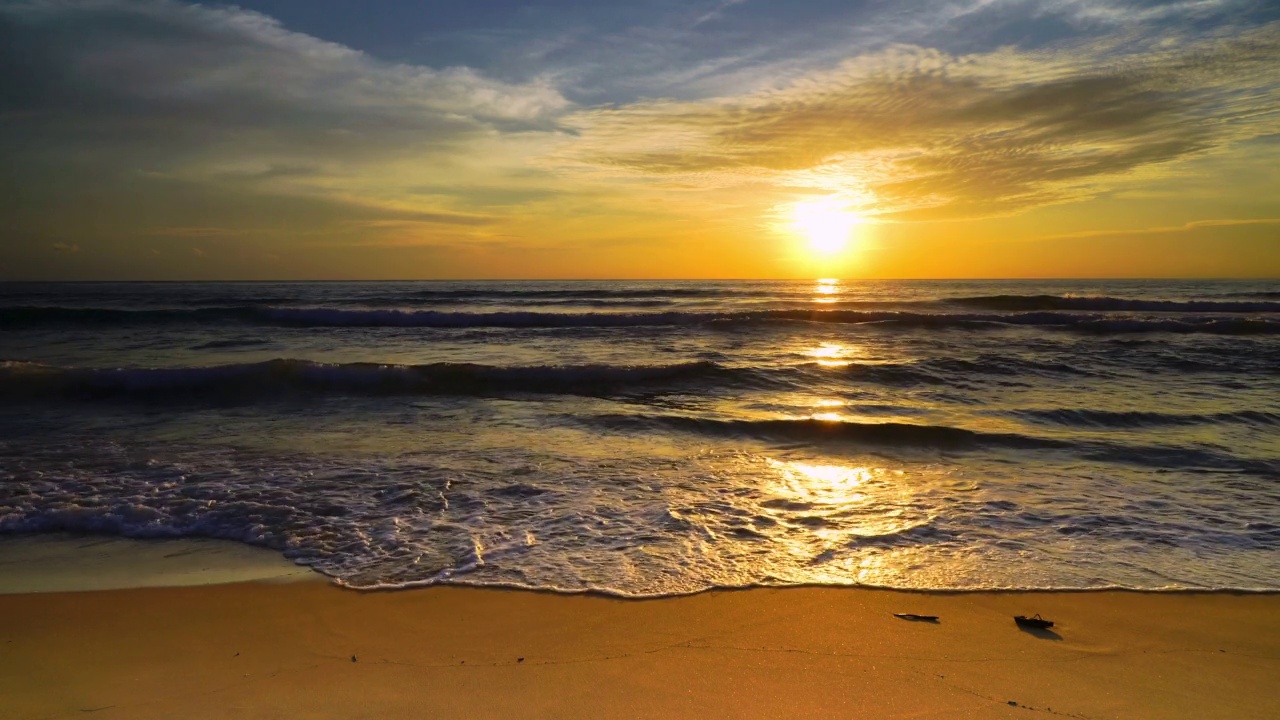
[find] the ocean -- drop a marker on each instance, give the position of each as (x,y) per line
(660,438)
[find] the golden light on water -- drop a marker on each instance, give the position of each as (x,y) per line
(826,290)
(831,354)
(829,412)
(825,484)
(853,501)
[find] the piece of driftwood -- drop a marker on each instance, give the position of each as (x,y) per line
(916,618)
(1035,621)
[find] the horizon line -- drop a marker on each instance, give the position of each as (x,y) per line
(654,279)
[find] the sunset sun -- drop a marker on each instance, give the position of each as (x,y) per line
(827,225)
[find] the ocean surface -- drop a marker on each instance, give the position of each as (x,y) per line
(656,438)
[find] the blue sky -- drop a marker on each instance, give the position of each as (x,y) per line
(610,52)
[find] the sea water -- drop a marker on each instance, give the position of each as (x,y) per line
(655,438)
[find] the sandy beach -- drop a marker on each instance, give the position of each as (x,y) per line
(313,650)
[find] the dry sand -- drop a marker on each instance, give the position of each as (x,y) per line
(312,650)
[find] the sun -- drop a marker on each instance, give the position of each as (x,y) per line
(827,224)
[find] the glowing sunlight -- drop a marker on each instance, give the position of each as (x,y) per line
(826,224)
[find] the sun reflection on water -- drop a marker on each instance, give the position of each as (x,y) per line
(832,354)
(825,290)
(831,508)
(825,484)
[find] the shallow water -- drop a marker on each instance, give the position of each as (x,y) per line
(662,437)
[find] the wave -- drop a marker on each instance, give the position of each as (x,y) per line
(587,293)
(274,378)
(333,317)
(24,316)
(938,371)
(1137,419)
(938,437)
(809,430)
(620,302)
(1269,294)
(231,343)
(1017,303)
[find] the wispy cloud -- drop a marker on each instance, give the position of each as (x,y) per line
(1166,229)
(717,12)
(923,134)
(125,90)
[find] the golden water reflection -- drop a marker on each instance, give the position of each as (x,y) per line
(826,484)
(832,354)
(825,290)
(830,508)
(841,520)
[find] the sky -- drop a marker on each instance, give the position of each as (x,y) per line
(404,139)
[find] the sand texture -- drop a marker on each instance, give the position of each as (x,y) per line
(312,650)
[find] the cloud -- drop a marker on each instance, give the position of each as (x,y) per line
(922,134)
(1166,230)
(717,12)
(233,68)
(718,47)
(118,91)
(1134,11)
(65,248)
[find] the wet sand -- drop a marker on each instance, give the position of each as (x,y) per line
(313,650)
(60,562)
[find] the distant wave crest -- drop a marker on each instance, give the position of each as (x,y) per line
(1111,304)
(346,317)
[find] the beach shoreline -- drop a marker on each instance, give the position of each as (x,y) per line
(313,649)
(71,562)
